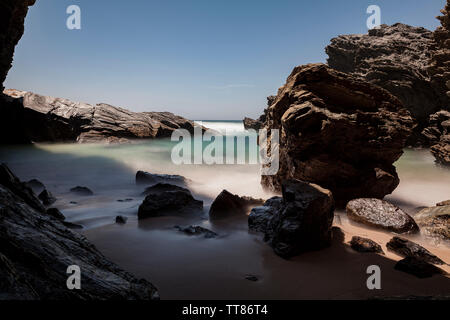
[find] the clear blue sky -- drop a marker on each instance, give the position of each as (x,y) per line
(206,59)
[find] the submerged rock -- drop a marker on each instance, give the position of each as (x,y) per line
(147,178)
(47,198)
(395,58)
(339,132)
(82,191)
(381,214)
(300,221)
(227,204)
(121,220)
(197,231)
(43,119)
(418,267)
(167,199)
(406,248)
(251,277)
(36,251)
(435,221)
(365,245)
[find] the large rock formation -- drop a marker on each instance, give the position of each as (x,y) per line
(339,132)
(12,17)
(439,69)
(37,249)
(300,221)
(40,118)
(396,58)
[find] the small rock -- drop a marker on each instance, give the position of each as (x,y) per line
(197,231)
(227,204)
(418,267)
(121,219)
(365,245)
(56,213)
(435,221)
(166,199)
(251,277)
(36,185)
(73,202)
(125,200)
(252,124)
(406,248)
(82,191)
(381,214)
(46,197)
(147,178)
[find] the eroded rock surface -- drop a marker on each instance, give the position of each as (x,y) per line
(407,248)
(381,214)
(434,222)
(37,248)
(300,221)
(361,244)
(339,132)
(43,119)
(167,199)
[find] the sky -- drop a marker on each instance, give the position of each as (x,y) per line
(202,59)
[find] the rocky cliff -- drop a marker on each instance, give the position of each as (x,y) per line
(397,59)
(339,132)
(37,249)
(12,17)
(28,116)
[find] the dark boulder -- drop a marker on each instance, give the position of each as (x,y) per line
(337,131)
(46,197)
(381,214)
(197,231)
(252,124)
(418,268)
(147,178)
(227,204)
(35,185)
(82,191)
(121,220)
(166,199)
(365,245)
(300,222)
(406,248)
(37,249)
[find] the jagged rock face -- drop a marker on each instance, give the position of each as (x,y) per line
(36,250)
(12,17)
(300,221)
(396,58)
(439,68)
(42,119)
(438,134)
(339,132)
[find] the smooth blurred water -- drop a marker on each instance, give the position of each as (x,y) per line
(109,170)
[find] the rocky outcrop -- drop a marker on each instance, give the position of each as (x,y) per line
(435,221)
(396,58)
(167,199)
(440,59)
(300,221)
(26,115)
(252,124)
(365,245)
(339,132)
(438,136)
(406,248)
(418,268)
(46,197)
(82,191)
(227,204)
(146,178)
(37,249)
(381,214)
(12,17)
